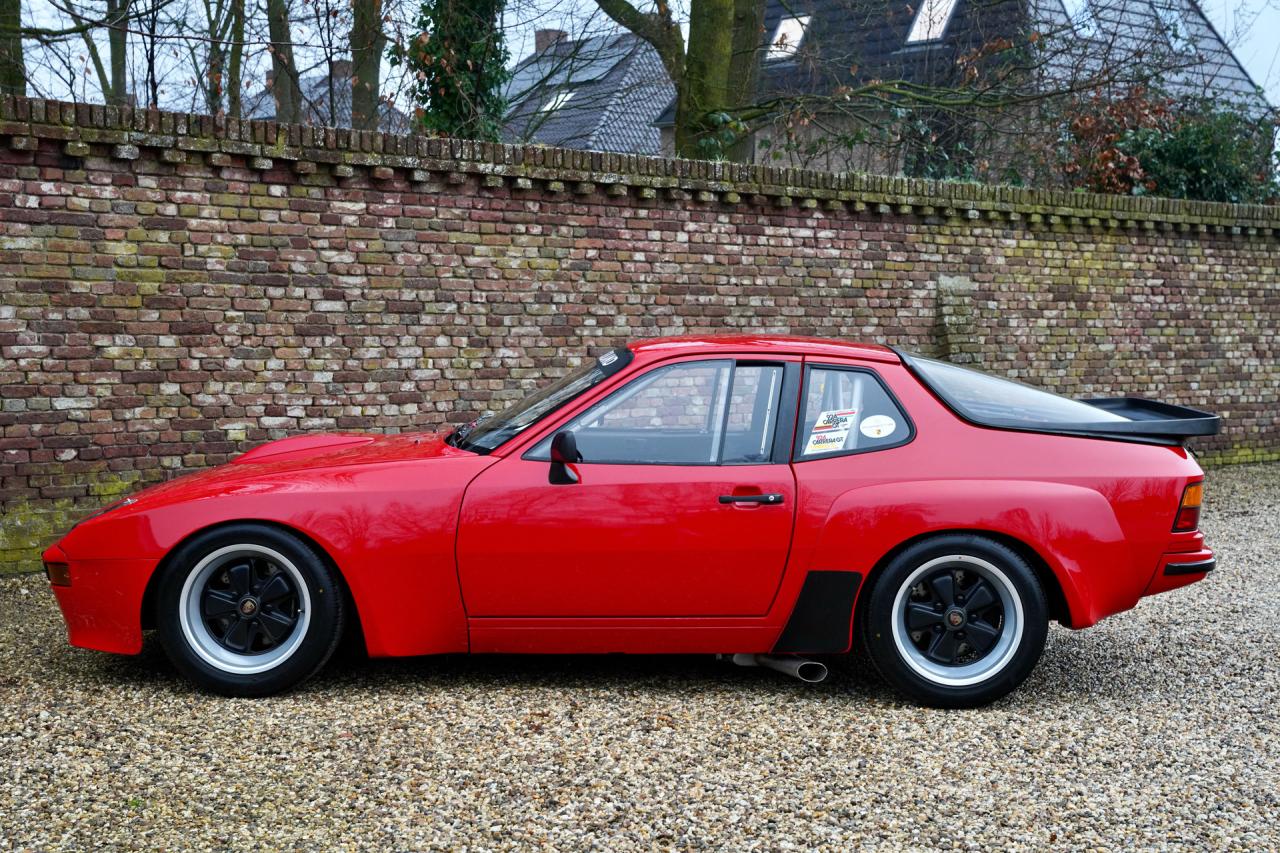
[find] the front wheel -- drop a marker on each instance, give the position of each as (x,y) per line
(955,621)
(248,610)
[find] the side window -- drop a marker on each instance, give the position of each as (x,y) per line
(848,411)
(692,413)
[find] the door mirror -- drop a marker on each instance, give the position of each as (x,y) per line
(564,451)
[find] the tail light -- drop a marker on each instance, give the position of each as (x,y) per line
(1188,517)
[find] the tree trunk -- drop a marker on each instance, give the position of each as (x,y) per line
(367,44)
(284,79)
(705,88)
(13,69)
(744,66)
(234,84)
(118,43)
(714,75)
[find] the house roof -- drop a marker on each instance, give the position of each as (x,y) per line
(323,107)
(600,93)
(846,41)
(1206,63)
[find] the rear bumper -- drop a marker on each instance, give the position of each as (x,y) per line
(1180,568)
(102,605)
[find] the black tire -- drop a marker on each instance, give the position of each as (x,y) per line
(248,610)
(931,648)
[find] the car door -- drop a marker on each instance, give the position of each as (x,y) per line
(683,506)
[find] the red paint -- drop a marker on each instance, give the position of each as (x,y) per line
(446,551)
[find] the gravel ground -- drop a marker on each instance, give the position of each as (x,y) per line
(1157,728)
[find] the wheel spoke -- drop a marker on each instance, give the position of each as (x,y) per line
(944,647)
(921,616)
(218,602)
(981,636)
(238,636)
(943,587)
(275,625)
(241,577)
(275,589)
(980,597)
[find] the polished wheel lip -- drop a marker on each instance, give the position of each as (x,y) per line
(206,646)
(989,665)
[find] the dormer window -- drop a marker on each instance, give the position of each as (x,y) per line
(931,21)
(787,38)
(557,101)
(1081,15)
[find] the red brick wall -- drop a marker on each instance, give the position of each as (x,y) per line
(174,289)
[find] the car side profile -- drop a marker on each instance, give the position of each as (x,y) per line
(760,497)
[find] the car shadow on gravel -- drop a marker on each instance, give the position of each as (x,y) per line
(1075,666)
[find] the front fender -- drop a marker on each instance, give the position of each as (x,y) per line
(1073,528)
(389,528)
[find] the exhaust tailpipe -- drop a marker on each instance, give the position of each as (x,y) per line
(808,671)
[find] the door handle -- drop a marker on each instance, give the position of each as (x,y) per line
(771,499)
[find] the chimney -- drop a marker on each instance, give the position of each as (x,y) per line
(543,39)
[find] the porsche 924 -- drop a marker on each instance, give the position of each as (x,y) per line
(763,498)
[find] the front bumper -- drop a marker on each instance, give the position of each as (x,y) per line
(102,605)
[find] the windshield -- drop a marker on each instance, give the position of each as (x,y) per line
(487,434)
(990,400)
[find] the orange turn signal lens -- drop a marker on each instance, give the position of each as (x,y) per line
(59,574)
(1188,517)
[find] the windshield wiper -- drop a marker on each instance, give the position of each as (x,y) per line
(459,435)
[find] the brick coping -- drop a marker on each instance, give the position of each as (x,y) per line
(87,130)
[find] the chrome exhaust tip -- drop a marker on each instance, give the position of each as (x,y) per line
(808,671)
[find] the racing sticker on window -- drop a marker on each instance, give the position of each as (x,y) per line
(831,430)
(877,426)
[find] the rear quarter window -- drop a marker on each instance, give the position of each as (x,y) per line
(992,401)
(848,410)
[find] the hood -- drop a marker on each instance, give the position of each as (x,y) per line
(303,452)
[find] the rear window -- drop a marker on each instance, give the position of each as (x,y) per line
(986,399)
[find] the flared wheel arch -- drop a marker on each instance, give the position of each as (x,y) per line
(1059,610)
(148,614)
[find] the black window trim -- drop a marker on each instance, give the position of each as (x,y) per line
(798,455)
(784,426)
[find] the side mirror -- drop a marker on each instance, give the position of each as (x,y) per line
(564,452)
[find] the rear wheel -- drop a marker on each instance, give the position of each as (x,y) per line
(956,621)
(248,610)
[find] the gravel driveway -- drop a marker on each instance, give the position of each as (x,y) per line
(1157,728)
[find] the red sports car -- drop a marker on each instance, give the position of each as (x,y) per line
(758,497)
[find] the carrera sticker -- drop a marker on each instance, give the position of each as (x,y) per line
(878,426)
(831,430)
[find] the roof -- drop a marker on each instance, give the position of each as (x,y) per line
(600,93)
(323,107)
(777,344)
(1207,65)
(860,40)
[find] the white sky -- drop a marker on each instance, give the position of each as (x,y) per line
(1252,28)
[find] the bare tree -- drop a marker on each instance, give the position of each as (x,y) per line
(13,68)
(115,18)
(368,43)
(285,87)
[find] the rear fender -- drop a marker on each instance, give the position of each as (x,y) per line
(1072,528)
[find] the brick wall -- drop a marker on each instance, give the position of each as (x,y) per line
(175,288)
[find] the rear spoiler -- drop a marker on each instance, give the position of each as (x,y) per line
(1153,419)
(1147,421)
(1150,422)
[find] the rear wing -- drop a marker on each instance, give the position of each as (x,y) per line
(1030,409)
(1152,419)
